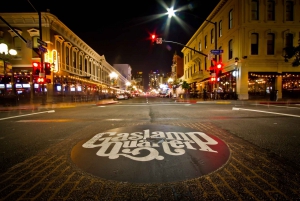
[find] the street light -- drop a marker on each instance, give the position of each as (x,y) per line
(113,77)
(5,55)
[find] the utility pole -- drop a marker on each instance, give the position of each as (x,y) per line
(42,74)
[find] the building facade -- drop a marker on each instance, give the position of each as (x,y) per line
(253,36)
(77,71)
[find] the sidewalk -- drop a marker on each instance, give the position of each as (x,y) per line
(29,106)
(225,101)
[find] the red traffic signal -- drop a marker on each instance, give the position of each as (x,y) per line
(41,80)
(213,79)
(153,36)
(36,68)
(219,66)
(47,68)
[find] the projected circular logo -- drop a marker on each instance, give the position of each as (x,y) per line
(150,154)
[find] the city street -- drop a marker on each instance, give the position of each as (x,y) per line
(151,148)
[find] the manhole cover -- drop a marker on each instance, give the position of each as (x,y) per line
(150,154)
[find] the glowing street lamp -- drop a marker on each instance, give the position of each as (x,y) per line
(5,55)
(113,77)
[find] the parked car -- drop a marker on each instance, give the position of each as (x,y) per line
(121,96)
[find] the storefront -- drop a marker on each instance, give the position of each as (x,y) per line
(261,85)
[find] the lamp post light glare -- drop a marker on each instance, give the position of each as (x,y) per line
(113,77)
(5,55)
(171,12)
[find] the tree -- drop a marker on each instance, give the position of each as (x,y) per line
(291,52)
(186,87)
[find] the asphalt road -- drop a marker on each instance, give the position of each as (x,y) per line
(145,148)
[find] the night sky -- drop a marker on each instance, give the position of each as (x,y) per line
(120,30)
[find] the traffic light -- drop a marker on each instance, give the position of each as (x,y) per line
(219,68)
(36,68)
(153,37)
(47,68)
(41,80)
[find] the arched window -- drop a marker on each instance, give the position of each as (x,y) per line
(289,40)
(67,55)
(254,44)
(74,59)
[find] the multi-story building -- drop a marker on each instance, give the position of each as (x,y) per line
(139,80)
(176,67)
(253,35)
(77,70)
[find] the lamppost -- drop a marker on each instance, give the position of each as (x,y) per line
(170,81)
(5,55)
(113,78)
(171,13)
(128,84)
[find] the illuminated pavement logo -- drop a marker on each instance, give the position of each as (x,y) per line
(150,154)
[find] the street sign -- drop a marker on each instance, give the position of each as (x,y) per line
(42,49)
(216,51)
(42,42)
(159,41)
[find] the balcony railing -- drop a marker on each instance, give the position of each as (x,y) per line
(198,75)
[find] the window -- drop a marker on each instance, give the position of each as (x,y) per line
(85,65)
(74,59)
(80,62)
(17,43)
(205,41)
(254,44)
(271,10)
(254,10)
(289,40)
(200,47)
(270,44)
(35,46)
(230,19)
(220,28)
(67,55)
(289,11)
(230,51)
(205,64)
(212,36)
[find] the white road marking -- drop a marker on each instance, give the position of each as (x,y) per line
(49,111)
(280,106)
(150,105)
(291,115)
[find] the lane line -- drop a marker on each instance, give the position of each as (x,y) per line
(147,105)
(290,115)
(49,111)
